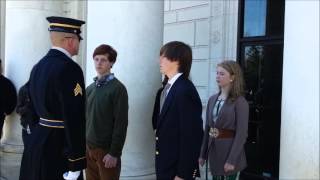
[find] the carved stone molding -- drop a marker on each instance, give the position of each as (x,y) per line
(216,37)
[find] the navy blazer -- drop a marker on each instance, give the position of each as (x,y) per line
(179,132)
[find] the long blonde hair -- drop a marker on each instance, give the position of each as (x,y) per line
(237,85)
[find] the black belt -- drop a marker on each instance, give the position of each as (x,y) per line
(51,123)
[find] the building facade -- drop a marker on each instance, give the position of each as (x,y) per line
(275,42)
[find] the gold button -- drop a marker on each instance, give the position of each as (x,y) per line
(157,138)
(157,153)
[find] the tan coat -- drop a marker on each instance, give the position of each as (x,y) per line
(233,116)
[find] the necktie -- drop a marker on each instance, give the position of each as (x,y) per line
(164,95)
(217,109)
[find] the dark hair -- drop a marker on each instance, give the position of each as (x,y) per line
(104,49)
(181,52)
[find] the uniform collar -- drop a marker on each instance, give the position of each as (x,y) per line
(62,50)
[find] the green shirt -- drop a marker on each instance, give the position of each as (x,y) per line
(107,116)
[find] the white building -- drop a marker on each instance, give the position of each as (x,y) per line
(276,43)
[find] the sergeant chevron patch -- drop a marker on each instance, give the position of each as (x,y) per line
(77,90)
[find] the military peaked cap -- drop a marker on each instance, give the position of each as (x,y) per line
(67,25)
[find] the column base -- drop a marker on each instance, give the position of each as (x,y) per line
(11,148)
(141,177)
(10,165)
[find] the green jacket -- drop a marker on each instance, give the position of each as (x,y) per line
(107,116)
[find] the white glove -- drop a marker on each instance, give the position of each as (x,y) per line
(71,175)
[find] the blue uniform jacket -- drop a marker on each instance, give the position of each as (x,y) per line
(57,92)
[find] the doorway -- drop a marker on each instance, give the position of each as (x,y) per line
(260,54)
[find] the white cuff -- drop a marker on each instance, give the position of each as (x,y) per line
(71,175)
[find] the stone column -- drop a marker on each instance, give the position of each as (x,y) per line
(223,37)
(299,150)
(2,23)
(135,30)
(26,42)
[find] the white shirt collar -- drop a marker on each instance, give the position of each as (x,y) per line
(63,51)
(173,79)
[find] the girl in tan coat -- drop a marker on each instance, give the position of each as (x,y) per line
(226,125)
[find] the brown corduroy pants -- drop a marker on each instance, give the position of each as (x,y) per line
(95,166)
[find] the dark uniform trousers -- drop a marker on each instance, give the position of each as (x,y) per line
(95,166)
(26,132)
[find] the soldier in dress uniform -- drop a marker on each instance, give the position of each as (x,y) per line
(57,91)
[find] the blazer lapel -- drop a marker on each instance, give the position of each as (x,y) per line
(211,106)
(211,122)
(168,101)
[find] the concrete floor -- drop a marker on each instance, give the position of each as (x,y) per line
(9,165)
(10,168)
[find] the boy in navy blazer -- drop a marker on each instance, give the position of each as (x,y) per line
(177,117)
